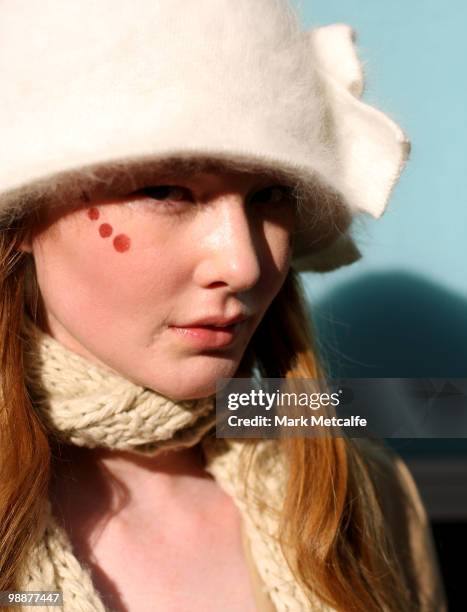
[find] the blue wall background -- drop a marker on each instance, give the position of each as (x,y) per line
(402,310)
(414,55)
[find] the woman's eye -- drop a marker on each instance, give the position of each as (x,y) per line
(171,193)
(276,194)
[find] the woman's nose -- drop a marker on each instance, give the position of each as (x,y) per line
(230,246)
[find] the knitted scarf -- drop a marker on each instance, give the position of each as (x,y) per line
(87,405)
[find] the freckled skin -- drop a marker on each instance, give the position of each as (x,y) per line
(121,243)
(93,214)
(105,230)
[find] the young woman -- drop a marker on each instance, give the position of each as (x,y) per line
(166,170)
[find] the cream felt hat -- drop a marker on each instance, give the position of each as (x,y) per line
(101,91)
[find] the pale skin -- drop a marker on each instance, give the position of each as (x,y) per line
(114,275)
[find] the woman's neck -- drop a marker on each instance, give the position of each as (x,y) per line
(101,482)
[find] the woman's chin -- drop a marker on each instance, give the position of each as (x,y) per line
(186,392)
(192,386)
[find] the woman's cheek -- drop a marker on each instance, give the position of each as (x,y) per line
(128,229)
(279,240)
(119,240)
(133,256)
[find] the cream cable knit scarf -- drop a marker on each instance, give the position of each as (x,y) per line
(87,405)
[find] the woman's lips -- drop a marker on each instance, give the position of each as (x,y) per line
(208,336)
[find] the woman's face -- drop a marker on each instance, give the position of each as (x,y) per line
(123,279)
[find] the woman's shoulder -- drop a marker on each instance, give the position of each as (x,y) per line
(407,522)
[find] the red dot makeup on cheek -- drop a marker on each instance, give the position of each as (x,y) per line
(121,243)
(105,230)
(93,214)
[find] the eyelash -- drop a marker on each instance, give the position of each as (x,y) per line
(153,192)
(184,194)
